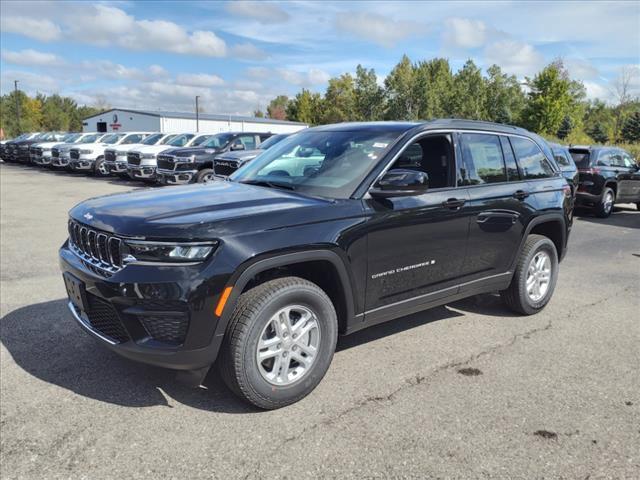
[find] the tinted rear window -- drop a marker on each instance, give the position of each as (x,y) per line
(580,158)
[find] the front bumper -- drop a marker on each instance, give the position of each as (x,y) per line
(154,315)
(117,166)
(60,162)
(141,172)
(83,163)
(43,160)
(172,177)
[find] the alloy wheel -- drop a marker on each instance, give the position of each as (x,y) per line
(538,276)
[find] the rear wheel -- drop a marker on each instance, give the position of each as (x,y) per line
(279,343)
(605,207)
(535,277)
(205,175)
(100,168)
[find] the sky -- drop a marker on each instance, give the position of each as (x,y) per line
(237,56)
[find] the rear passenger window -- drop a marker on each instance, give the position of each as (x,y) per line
(532,161)
(483,160)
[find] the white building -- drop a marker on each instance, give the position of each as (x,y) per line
(124,120)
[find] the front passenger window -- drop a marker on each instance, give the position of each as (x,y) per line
(432,154)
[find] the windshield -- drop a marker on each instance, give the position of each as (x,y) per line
(580,158)
(181,140)
(70,138)
(152,139)
(91,138)
(199,140)
(271,141)
(218,141)
(113,138)
(326,164)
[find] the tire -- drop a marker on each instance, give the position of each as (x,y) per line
(518,296)
(605,206)
(251,323)
(99,168)
(205,175)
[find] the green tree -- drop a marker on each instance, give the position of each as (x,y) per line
(277,108)
(469,93)
(369,96)
(598,134)
(433,88)
(565,128)
(553,95)
(504,99)
(631,128)
(402,103)
(258,113)
(339,103)
(305,107)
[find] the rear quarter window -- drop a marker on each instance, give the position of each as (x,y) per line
(533,163)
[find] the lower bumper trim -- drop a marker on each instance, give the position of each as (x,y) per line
(85,324)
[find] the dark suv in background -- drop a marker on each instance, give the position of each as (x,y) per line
(189,165)
(334,229)
(565,162)
(607,175)
(228,162)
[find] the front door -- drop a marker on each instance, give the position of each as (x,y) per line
(416,244)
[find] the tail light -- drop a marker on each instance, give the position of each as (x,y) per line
(592,171)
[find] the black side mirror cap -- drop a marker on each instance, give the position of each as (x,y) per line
(400,183)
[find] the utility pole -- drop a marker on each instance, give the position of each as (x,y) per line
(15,85)
(197,114)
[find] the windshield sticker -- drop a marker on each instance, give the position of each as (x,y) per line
(380,145)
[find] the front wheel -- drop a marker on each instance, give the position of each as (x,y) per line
(279,343)
(100,168)
(206,175)
(535,277)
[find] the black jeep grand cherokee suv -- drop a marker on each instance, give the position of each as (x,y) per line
(607,175)
(330,231)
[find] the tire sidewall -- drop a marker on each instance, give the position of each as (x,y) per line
(96,167)
(546,245)
(203,173)
(602,212)
(327,323)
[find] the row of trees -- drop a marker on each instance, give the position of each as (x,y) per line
(550,103)
(41,113)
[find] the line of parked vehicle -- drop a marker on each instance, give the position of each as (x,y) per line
(599,176)
(166,158)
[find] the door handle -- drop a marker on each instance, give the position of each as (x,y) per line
(453,203)
(520,194)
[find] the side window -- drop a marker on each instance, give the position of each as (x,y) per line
(628,161)
(513,175)
(561,159)
(249,141)
(433,155)
(616,159)
(135,138)
(483,159)
(532,161)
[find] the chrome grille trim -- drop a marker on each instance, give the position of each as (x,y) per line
(98,249)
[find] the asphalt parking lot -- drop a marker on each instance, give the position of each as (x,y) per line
(467,390)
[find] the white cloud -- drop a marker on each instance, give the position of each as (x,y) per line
(514,57)
(303,79)
(464,33)
(597,90)
(104,25)
(29,82)
(248,51)
(158,71)
(263,12)
(580,69)
(378,29)
(32,58)
(199,80)
(111,70)
(37,28)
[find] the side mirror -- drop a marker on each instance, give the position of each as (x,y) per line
(237,146)
(400,183)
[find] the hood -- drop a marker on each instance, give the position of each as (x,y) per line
(197,212)
(188,151)
(66,146)
(48,144)
(127,147)
(240,155)
(151,149)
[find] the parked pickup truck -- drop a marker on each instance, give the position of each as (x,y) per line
(115,158)
(338,228)
(60,153)
(41,152)
(141,163)
(195,164)
(90,157)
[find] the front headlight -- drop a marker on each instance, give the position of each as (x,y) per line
(165,252)
(86,150)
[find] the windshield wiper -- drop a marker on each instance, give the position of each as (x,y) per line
(265,183)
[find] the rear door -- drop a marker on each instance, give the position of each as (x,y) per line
(500,204)
(627,175)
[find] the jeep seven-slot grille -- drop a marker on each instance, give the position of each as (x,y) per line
(133,158)
(97,248)
(165,162)
(109,156)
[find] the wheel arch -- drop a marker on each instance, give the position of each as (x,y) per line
(552,226)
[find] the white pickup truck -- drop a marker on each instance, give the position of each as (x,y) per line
(115,158)
(142,163)
(90,157)
(60,153)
